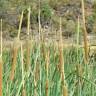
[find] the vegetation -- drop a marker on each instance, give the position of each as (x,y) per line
(44,68)
(79,77)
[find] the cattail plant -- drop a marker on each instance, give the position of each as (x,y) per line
(39,23)
(15,51)
(85,33)
(61,58)
(78,66)
(28,43)
(77,41)
(61,64)
(28,50)
(23,84)
(1,65)
(39,18)
(47,71)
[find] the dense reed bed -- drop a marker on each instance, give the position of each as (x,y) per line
(47,69)
(77,82)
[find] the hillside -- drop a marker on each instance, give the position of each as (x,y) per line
(51,10)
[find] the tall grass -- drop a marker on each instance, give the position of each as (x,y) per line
(64,74)
(53,81)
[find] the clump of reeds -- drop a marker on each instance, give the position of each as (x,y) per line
(1,65)
(85,33)
(15,50)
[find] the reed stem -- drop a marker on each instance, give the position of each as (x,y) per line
(28,26)
(1,65)
(85,34)
(20,25)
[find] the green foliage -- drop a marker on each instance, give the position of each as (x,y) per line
(4,5)
(77,85)
(46,11)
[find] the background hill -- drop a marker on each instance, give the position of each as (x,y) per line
(51,10)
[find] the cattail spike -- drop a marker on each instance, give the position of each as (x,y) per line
(85,33)
(22,64)
(14,58)
(28,50)
(23,90)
